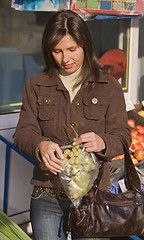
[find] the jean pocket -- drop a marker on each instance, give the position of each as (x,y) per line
(36,193)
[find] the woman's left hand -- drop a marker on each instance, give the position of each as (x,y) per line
(92,142)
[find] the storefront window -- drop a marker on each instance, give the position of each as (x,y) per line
(111,34)
(20,48)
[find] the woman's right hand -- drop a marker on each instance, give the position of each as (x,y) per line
(48,151)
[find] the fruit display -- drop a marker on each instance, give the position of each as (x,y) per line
(141,113)
(131,123)
(137,145)
(80,170)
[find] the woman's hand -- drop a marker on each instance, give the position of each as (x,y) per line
(47,150)
(92,142)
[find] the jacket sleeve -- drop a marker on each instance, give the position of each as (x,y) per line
(28,133)
(116,123)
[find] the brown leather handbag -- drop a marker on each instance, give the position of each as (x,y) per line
(104,214)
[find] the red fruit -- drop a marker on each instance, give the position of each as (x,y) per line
(132,146)
(134,133)
(140,128)
(131,123)
(138,146)
(134,140)
(140,137)
(139,154)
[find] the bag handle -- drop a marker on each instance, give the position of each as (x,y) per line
(131,178)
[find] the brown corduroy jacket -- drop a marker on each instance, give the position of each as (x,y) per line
(47,113)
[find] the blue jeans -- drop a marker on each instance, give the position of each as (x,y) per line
(49,218)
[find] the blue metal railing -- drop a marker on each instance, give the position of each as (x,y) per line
(9,146)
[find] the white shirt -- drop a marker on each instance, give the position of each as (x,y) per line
(69,80)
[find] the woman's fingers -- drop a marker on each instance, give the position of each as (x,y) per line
(86,137)
(50,152)
(51,166)
(83,138)
(92,142)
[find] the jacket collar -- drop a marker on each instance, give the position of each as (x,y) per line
(103,77)
(46,80)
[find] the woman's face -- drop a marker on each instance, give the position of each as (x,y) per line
(68,55)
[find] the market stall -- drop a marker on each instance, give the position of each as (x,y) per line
(113,24)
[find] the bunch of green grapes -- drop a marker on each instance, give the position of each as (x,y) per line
(77,164)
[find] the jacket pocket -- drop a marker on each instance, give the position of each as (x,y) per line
(47,107)
(93,108)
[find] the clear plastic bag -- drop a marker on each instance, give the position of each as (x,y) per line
(80,170)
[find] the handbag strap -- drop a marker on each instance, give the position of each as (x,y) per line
(131,178)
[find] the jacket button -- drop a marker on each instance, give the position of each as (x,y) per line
(47,100)
(73,124)
(77,103)
(94,100)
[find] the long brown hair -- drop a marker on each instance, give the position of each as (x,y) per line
(68,22)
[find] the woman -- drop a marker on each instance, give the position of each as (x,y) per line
(72,95)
